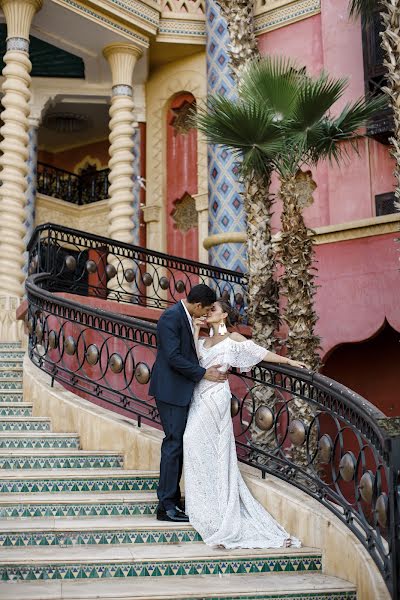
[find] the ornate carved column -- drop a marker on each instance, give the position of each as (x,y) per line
(14,149)
(122,59)
(227,222)
(30,193)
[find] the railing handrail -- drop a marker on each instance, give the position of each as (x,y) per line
(77,175)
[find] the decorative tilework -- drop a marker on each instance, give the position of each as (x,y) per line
(123,483)
(12,373)
(10,396)
(284,15)
(23,425)
(10,383)
(39,442)
(162,568)
(98,537)
(226,211)
(30,193)
(180,28)
(17,44)
(71,461)
(78,509)
(15,411)
(10,353)
(10,362)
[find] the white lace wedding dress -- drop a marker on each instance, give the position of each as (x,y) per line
(218,502)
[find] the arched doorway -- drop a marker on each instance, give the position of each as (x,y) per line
(371,368)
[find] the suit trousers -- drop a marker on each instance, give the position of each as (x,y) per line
(173,419)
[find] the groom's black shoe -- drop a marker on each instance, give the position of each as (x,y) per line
(176,515)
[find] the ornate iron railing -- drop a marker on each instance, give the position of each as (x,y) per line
(347,457)
(86,264)
(70,187)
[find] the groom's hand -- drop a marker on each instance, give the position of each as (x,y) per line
(212,374)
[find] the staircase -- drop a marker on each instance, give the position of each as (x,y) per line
(75,524)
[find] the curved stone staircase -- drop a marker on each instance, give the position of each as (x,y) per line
(77,525)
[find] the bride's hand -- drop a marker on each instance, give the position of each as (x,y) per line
(199,323)
(298,364)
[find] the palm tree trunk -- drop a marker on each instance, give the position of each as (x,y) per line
(298,278)
(390,14)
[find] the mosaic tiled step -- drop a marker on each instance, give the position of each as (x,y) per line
(275,586)
(149,560)
(32,506)
(15,409)
(60,481)
(41,440)
(11,354)
(11,372)
(20,423)
(8,396)
(11,363)
(59,459)
(11,383)
(101,531)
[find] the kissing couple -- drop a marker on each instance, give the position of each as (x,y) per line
(190,385)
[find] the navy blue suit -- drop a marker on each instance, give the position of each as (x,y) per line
(175,373)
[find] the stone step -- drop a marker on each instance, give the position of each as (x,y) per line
(59,459)
(22,423)
(89,531)
(10,396)
(14,371)
(11,362)
(41,440)
(274,586)
(93,504)
(150,560)
(11,352)
(15,409)
(77,480)
(11,383)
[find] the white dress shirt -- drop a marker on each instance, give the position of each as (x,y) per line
(188,317)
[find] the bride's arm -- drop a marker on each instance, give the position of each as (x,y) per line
(197,324)
(271,356)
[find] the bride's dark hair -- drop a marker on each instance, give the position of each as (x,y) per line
(233,315)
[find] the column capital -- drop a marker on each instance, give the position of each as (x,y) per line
(19,15)
(122,58)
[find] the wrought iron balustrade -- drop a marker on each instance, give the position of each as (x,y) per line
(88,264)
(347,456)
(70,187)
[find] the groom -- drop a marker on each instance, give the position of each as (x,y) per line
(175,373)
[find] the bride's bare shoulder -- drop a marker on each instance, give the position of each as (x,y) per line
(237,337)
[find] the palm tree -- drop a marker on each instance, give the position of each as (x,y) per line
(390,42)
(281,121)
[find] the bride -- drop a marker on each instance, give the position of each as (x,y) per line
(217,501)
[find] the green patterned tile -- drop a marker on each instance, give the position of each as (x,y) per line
(10,396)
(11,362)
(78,509)
(43,443)
(161,568)
(98,537)
(15,410)
(11,383)
(70,461)
(23,424)
(122,483)
(10,373)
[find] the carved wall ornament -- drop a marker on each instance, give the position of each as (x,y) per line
(182,121)
(306,186)
(185,213)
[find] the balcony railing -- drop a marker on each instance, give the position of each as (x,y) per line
(347,457)
(70,187)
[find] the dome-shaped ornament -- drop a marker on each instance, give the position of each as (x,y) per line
(53,340)
(235,406)
(111,271)
(116,363)
(325,447)
(29,325)
(381,510)
(180,286)
(130,275)
(264,418)
(91,266)
(366,486)
(39,331)
(147,279)
(164,283)
(70,345)
(297,432)
(92,354)
(347,467)
(142,373)
(70,263)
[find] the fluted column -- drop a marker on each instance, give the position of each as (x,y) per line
(122,59)
(14,150)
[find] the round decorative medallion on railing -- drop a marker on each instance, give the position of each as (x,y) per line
(111,271)
(130,275)
(347,467)
(91,266)
(147,279)
(29,324)
(297,432)
(325,448)
(53,339)
(70,263)
(366,486)
(92,355)
(164,283)
(116,363)
(70,345)
(264,418)
(39,331)
(180,286)
(235,406)
(381,510)
(142,373)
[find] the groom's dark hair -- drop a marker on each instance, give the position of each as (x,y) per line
(203,294)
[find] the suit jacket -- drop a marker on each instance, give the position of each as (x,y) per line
(176,369)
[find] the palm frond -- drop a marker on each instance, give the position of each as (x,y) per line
(273,80)
(316,97)
(363,8)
